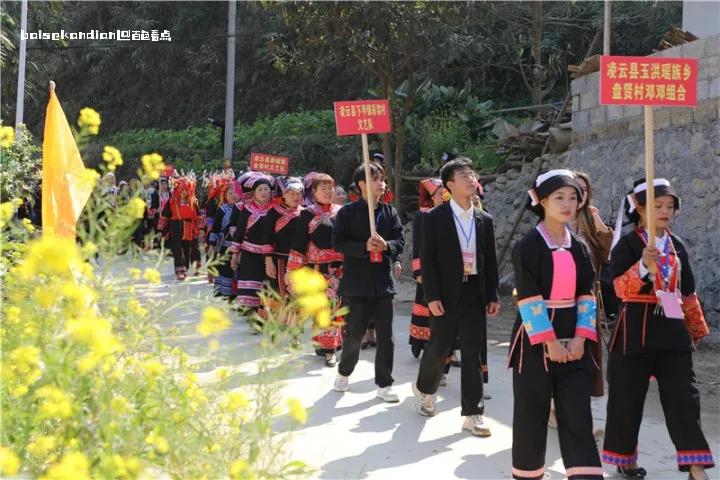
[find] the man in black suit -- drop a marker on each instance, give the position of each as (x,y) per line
(460,278)
(366,286)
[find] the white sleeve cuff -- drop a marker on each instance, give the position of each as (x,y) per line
(642,271)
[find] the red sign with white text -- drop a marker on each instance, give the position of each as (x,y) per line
(362,116)
(273,164)
(667,82)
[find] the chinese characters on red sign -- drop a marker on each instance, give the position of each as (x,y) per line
(648,81)
(274,164)
(362,116)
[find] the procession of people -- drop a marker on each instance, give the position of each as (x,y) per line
(256,228)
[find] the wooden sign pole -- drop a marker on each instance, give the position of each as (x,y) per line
(375,257)
(650,178)
(368,182)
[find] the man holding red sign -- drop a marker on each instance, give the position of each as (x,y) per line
(367,286)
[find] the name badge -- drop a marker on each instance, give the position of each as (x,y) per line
(671,304)
(468,258)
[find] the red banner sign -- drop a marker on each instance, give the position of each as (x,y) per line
(669,82)
(362,116)
(273,164)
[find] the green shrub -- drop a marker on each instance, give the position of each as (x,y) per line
(308,138)
(20,167)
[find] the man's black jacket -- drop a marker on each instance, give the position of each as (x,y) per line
(350,235)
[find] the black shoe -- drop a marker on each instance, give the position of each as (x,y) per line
(363,346)
(373,344)
(416,350)
(456,363)
(637,473)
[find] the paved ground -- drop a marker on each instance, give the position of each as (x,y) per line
(353,435)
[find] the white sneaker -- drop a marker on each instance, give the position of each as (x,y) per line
(341,383)
(443,380)
(387,395)
(475,425)
(426,406)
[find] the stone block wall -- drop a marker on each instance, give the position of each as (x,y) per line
(608,143)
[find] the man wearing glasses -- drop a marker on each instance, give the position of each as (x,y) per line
(460,277)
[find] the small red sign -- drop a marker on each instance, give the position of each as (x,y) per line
(668,82)
(362,116)
(273,164)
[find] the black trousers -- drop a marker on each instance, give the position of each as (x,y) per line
(628,379)
(381,311)
(463,322)
(570,385)
(181,249)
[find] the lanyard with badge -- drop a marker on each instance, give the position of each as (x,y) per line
(669,302)
(468,256)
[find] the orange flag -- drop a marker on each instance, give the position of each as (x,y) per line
(65,188)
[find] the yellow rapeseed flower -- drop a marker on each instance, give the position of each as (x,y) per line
(51,255)
(89,249)
(89,177)
(9,462)
(79,296)
(54,402)
(89,120)
(296,410)
(213,321)
(41,446)
(87,362)
(28,225)
(158,442)
(322,319)
(234,401)
(136,308)
(306,280)
(241,470)
(153,368)
(129,467)
(93,332)
(151,275)
(112,156)
(120,405)
(136,207)
(313,303)
(19,391)
(73,465)
(25,364)
(7,210)
(134,273)
(7,136)
(44,297)
(153,165)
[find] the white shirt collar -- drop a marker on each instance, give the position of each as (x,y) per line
(659,241)
(545,234)
(459,211)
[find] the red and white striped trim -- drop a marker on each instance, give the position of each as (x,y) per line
(248,301)
(528,473)
(255,248)
(317,255)
(249,285)
(584,471)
